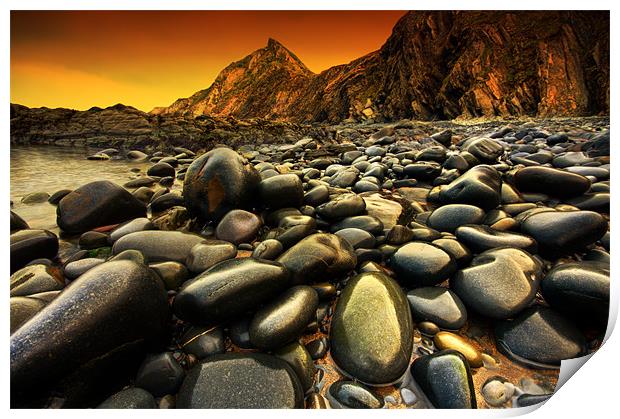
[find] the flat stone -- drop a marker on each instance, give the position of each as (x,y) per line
(229,288)
(35,279)
(28,245)
(245,381)
(159,246)
(438,305)
(550,181)
(540,337)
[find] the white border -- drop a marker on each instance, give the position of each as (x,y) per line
(592,392)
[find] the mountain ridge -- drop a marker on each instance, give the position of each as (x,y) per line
(434,65)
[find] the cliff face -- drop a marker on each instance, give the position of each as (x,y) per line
(435,65)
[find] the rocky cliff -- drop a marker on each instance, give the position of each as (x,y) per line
(435,65)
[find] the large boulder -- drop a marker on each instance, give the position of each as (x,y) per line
(219,181)
(115,308)
(97,204)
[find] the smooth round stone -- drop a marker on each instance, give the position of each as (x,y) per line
(484,149)
(579,289)
(97,204)
(571,158)
(137,224)
(285,318)
(35,198)
(140,182)
(564,232)
(365,185)
(364,222)
(35,279)
(55,198)
(598,202)
(598,172)
(341,206)
(344,178)
(357,238)
(550,181)
(130,254)
(447,340)
(268,249)
(438,305)
(424,170)
(136,155)
(244,381)
(203,342)
(325,290)
(461,254)
(208,253)
(112,307)
(28,245)
(74,269)
(479,186)
(159,246)
(496,393)
(479,238)
(161,170)
(229,288)
(219,181)
(166,201)
(173,274)
(17,223)
(317,195)
(143,194)
(160,374)
(428,328)
(130,398)
(399,235)
(239,333)
(371,330)
(281,191)
(539,337)
(23,309)
(422,264)
(387,211)
(318,257)
(408,397)
(238,226)
(92,240)
(499,283)
(450,217)
(317,348)
(296,355)
(353,395)
(445,379)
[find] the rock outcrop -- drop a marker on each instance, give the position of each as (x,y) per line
(435,65)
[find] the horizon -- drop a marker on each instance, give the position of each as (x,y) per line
(54,65)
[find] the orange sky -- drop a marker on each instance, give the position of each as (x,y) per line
(79,59)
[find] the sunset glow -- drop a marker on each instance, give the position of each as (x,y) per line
(80,59)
